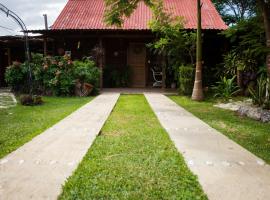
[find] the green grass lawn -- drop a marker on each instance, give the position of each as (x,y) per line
(20,124)
(251,134)
(133,158)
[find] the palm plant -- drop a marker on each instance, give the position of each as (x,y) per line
(226,88)
(260,95)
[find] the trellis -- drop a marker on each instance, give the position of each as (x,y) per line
(22,25)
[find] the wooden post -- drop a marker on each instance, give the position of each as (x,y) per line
(101,61)
(9,56)
(45,46)
(45,35)
(163,71)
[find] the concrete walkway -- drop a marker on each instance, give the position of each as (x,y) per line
(38,169)
(225,170)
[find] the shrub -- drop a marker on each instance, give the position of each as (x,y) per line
(186,79)
(59,76)
(53,75)
(16,76)
(117,76)
(86,72)
(37,100)
(260,95)
(226,88)
(37,72)
(26,100)
(30,100)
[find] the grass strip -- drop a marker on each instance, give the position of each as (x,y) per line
(133,158)
(251,134)
(20,124)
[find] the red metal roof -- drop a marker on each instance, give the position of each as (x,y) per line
(88,15)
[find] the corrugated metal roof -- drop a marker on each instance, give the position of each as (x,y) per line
(88,15)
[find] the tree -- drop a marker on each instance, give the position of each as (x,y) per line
(197,93)
(242,13)
(234,11)
(264,6)
(248,50)
(178,44)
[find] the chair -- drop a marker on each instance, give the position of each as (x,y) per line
(157,78)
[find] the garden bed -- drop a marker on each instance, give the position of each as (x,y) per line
(246,108)
(133,158)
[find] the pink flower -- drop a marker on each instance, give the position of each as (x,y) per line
(54,62)
(60,64)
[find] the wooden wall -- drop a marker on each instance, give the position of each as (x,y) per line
(116,44)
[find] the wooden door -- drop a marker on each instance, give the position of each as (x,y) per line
(136,62)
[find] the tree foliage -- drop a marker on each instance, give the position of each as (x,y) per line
(172,40)
(248,39)
(117,10)
(247,53)
(234,11)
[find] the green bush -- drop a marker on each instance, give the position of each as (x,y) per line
(226,88)
(117,77)
(53,75)
(186,79)
(16,76)
(86,72)
(260,94)
(30,100)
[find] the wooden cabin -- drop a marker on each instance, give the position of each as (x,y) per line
(80,28)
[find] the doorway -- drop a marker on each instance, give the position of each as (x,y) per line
(136,60)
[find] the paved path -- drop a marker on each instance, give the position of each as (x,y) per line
(225,170)
(38,169)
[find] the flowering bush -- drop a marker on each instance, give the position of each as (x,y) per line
(53,75)
(58,77)
(16,76)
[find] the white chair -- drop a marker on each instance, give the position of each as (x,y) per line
(157,78)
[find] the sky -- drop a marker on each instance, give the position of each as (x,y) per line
(31,12)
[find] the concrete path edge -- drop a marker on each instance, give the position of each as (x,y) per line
(38,169)
(225,170)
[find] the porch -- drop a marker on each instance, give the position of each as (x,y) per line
(122,56)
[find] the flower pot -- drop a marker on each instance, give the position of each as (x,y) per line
(83,89)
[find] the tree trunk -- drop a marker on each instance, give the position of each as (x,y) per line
(265,8)
(197,93)
(240,79)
